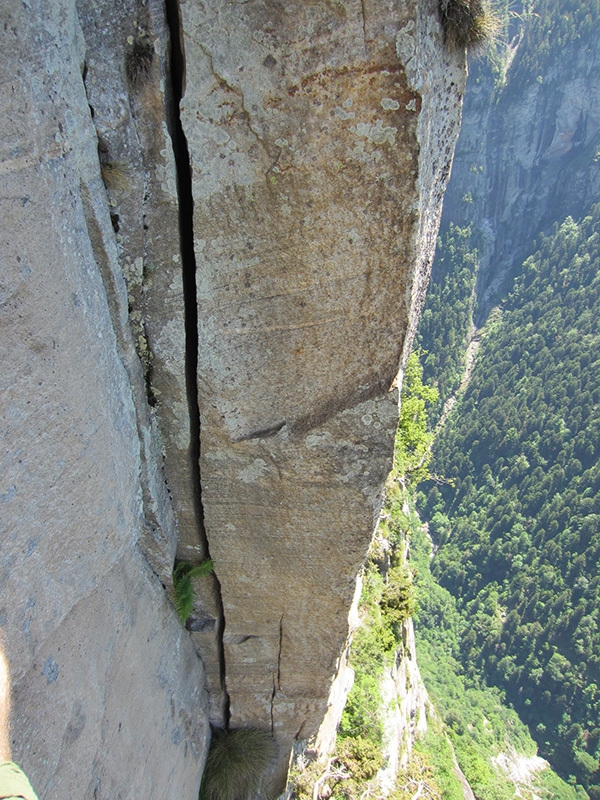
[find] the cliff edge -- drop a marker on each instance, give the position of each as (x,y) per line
(219,221)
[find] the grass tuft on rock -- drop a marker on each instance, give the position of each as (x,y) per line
(468,23)
(138,61)
(236,763)
(115,175)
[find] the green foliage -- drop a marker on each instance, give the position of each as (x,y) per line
(519,531)
(413,441)
(551,27)
(476,717)
(355,762)
(387,601)
(236,763)
(421,777)
(182,585)
(361,758)
(373,646)
(398,599)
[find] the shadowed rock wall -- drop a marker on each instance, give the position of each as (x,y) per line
(525,158)
(108,694)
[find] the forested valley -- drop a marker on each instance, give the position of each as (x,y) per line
(508,584)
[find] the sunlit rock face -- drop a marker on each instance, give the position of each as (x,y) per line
(320,140)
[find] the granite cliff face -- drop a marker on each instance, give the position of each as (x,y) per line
(312,225)
(218,226)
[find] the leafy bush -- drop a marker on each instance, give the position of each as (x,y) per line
(237,761)
(413,440)
(361,758)
(398,599)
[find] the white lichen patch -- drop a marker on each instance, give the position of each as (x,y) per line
(348,103)
(388,104)
(367,156)
(411,105)
(341,114)
(214,132)
(317,439)
(377,133)
(134,272)
(406,49)
(253,471)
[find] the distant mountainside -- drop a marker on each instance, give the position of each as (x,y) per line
(529,138)
(515,520)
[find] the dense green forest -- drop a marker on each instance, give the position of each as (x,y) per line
(446,320)
(517,527)
(482,727)
(550,28)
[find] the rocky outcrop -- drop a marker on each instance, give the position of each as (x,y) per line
(218,227)
(405,708)
(320,139)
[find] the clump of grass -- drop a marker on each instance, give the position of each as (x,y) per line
(138,60)
(468,23)
(236,763)
(182,584)
(115,175)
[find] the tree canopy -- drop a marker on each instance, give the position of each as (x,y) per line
(518,532)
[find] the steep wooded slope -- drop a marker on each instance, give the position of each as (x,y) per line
(519,529)
(524,475)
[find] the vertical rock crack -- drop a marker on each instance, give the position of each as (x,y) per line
(277,675)
(188,261)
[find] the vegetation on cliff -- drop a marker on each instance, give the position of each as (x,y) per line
(468,23)
(386,602)
(447,318)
